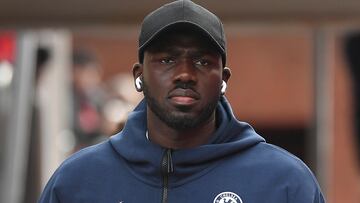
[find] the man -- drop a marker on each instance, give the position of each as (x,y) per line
(182,143)
(87,99)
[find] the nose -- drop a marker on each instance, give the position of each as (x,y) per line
(185,72)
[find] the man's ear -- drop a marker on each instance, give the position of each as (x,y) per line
(226,74)
(137,70)
(137,73)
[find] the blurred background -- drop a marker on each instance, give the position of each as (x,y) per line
(66,82)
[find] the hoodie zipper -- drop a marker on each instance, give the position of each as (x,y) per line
(167,168)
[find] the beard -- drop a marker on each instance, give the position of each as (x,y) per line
(180,121)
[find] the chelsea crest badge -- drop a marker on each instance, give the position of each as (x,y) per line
(227,197)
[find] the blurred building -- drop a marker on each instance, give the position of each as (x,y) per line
(289,77)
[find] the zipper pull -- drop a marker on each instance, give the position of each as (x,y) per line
(167,163)
(170,166)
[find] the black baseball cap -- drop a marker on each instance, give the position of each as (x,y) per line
(179,13)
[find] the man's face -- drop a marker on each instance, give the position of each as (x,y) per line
(182,75)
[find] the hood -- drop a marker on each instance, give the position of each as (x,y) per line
(144,158)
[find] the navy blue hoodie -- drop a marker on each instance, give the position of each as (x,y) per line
(235,166)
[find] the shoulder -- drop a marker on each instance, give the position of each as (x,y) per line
(281,160)
(86,162)
(299,180)
(81,167)
(273,164)
(92,156)
(88,154)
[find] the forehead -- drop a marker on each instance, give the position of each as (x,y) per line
(182,37)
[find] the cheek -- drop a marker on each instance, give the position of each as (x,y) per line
(213,81)
(210,90)
(156,82)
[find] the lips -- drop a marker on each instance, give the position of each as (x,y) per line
(183,97)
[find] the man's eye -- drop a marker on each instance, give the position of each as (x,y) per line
(166,61)
(202,62)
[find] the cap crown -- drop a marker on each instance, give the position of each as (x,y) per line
(180,12)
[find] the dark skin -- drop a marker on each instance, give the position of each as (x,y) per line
(183,73)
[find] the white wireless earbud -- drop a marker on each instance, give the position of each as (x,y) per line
(138,84)
(223,87)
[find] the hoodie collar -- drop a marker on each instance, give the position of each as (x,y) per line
(144,158)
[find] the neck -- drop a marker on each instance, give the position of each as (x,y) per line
(167,137)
